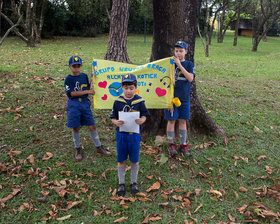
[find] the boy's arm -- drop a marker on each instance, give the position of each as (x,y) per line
(82,92)
(188,75)
(141,120)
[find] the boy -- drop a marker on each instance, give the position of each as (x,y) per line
(128,143)
(184,74)
(79,114)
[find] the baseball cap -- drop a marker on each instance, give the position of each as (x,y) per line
(75,60)
(129,78)
(181,44)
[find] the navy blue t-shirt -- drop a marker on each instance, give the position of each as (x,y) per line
(135,104)
(76,83)
(182,88)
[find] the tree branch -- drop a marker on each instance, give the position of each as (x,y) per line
(10,29)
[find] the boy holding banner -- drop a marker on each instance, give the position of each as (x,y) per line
(128,113)
(184,74)
(78,106)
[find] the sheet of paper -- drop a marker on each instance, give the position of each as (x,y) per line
(129,121)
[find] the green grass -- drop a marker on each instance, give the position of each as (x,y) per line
(238,88)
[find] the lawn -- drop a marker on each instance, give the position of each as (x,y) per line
(226,180)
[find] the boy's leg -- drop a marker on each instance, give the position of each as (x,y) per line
(134,142)
(121,159)
(95,138)
(170,132)
(134,175)
(121,176)
(183,137)
(76,139)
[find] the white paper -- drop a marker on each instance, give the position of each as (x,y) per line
(129,121)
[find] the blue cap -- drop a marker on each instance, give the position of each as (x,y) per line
(181,44)
(75,60)
(129,78)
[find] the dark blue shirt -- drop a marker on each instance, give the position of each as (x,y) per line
(76,83)
(135,104)
(182,88)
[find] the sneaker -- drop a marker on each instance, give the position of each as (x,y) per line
(172,149)
(184,149)
(103,151)
(78,155)
(134,188)
(121,190)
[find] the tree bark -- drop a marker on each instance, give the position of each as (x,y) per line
(222,20)
(237,23)
(116,50)
(212,25)
(170,27)
(1,5)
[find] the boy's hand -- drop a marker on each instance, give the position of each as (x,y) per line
(171,109)
(177,61)
(118,123)
(140,120)
(91,92)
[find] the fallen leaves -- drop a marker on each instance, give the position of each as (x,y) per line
(154,187)
(10,196)
(47,156)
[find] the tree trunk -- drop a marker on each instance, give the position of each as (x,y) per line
(206,25)
(116,50)
(212,25)
(222,20)
(167,30)
(237,23)
(264,38)
(28,25)
(1,5)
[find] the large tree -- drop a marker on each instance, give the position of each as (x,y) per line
(27,10)
(265,14)
(116,50)
(177,20)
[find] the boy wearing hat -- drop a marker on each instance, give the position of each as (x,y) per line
(79,114)
(128,143)
(184,74)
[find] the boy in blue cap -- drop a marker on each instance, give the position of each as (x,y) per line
(128,143)
(184,74)
(79,114)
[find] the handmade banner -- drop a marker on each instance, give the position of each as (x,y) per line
(154,82)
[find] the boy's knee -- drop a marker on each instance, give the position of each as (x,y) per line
(121,164)
(76,130)
(92,128)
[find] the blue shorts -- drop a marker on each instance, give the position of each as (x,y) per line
(128,144)
(79,113)
(182,112)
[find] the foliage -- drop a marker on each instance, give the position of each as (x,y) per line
(226,180)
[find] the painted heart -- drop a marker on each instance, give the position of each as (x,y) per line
(160,92)
(102,84)
(104,97)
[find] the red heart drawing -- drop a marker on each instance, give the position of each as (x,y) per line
(104,97)
(102,84)
(160,92)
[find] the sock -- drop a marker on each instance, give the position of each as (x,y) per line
(170,136)
(95,138)
(134,173)
(183,136)
(121,174)
(76,139)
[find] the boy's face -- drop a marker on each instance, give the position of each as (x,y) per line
(180,53)
(128,91)
(76,69)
